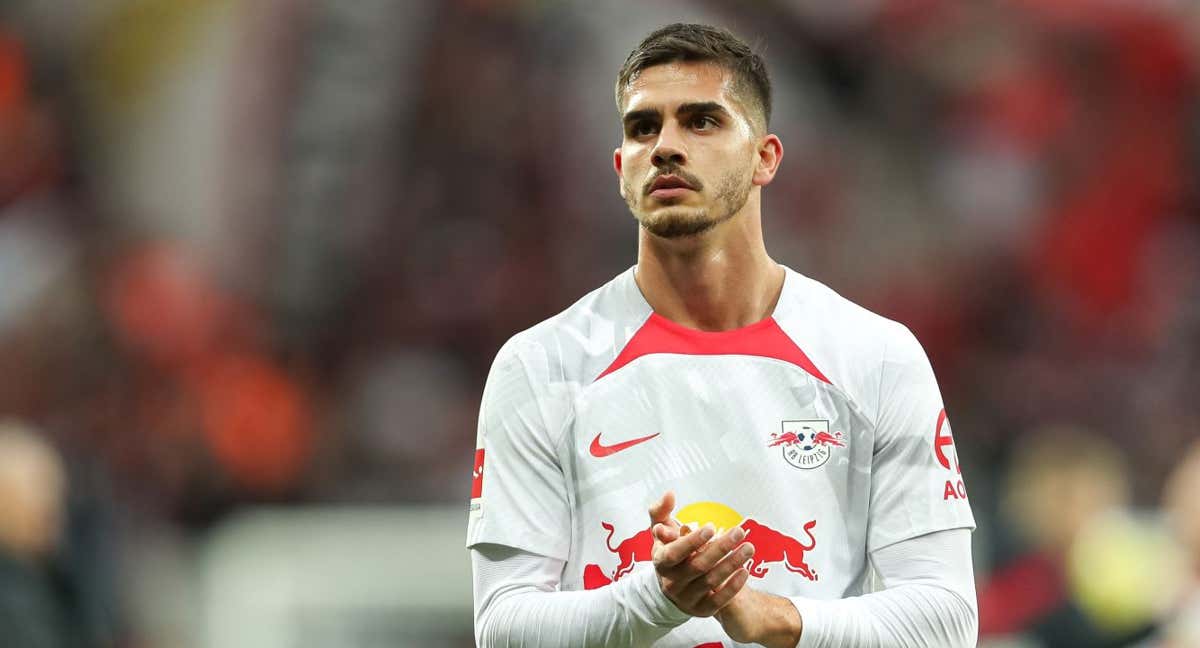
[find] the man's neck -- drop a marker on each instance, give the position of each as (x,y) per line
(716,281)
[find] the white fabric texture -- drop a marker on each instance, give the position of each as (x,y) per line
(543,406)
(929,601)
(516,604)
(820,431)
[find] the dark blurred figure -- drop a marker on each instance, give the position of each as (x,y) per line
(34,610)
(1062,482)
(1182,504)
(55,590)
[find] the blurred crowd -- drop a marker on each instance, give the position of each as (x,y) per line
(264,252)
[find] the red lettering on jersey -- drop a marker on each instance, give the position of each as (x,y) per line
(940,441)
(477,475)
(954,490)
(949,492)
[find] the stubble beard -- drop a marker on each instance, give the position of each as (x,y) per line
(672,223)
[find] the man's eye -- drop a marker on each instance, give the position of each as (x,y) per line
(704,122)
(642,129)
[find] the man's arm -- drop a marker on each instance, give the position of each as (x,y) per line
(929,600)
(517,604)
(697,574)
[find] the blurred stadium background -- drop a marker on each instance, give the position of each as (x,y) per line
(257,255)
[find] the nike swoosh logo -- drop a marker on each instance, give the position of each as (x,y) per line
(598,450)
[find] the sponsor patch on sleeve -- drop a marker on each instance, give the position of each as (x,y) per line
(947,456)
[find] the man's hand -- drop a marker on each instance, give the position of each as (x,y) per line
(757,617)
(700,574)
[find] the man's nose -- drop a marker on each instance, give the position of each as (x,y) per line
(669,149)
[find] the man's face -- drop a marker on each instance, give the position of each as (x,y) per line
(688,151)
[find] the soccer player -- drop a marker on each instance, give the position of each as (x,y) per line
(791,447)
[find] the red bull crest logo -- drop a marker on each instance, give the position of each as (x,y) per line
(806,444)
(772,547)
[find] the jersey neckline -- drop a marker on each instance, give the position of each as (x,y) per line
(659,335)
(640,306)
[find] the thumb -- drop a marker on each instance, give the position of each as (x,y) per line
(660,512)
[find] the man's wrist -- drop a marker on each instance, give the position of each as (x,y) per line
(661,610)
(782,625)
(761,618)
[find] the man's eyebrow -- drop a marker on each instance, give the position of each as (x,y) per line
(638,115)
(702,107)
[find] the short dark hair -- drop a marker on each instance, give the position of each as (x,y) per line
(701,43)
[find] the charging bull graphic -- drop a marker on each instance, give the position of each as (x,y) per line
(594,577)
(784,439)
(770,546)
(819,438)
(826,439)
(631,550)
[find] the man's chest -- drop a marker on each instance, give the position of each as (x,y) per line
(754,443)
(717,417)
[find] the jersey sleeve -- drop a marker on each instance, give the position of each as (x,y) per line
(518,496)
(917,484)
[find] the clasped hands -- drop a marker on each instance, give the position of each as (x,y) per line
(703,574)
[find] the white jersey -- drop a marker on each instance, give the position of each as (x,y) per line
(820,430)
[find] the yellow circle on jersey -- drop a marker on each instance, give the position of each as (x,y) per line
(700,513)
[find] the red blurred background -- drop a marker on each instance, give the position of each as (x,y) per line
(259,256)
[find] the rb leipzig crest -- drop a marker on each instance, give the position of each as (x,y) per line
(806,444)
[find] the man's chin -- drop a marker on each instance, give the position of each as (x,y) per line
(674,226)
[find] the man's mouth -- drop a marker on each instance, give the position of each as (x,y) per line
(669,186)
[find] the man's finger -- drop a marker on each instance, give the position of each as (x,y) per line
(664,533)
(660,511)
(671,554)
(721,597)
(713,579)
(714,551)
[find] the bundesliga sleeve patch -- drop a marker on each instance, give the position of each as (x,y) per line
(477,485)
(477,475)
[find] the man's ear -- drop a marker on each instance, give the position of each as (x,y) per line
(770,154)
(617,168)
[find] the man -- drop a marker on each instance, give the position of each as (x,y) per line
(791,446)
(34,609)
(1182,625)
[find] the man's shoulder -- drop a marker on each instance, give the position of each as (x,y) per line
(583,338)
(846,341)
(828,319)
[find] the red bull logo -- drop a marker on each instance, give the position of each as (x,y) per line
(825,439)
(630,550)
(806,444)
(771,546)
(821,437)
(783,439)
(594,577)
